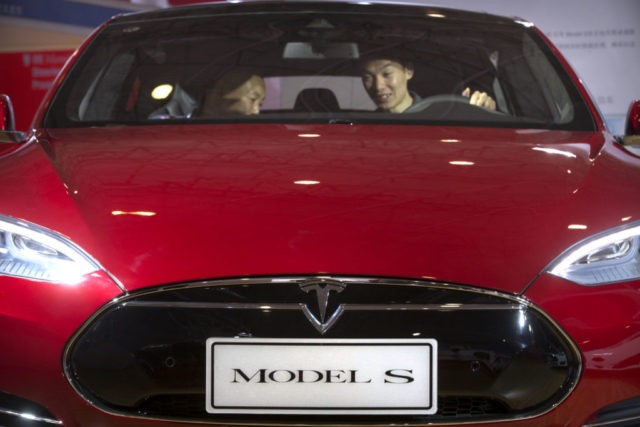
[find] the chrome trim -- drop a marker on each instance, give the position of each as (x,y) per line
(347,307)
(266,281)
(614,422)
(29,417)
(518,300)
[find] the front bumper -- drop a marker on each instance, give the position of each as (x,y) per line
(37,325)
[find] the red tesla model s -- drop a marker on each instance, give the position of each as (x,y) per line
(318,213)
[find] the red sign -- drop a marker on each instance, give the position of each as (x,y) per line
(26,77)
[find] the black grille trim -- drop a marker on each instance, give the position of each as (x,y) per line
(372,308)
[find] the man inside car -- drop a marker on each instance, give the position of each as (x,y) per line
(386,81)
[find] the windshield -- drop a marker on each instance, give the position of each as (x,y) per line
(331,67)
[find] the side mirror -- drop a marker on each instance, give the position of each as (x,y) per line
(7,121)
(632,131)
(8,134)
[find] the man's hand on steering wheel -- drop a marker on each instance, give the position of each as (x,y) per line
(479,99)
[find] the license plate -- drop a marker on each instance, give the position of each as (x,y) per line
(321,376)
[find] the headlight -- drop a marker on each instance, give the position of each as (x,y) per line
(609,257)
(30,251)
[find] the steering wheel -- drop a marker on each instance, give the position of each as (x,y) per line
(451,98)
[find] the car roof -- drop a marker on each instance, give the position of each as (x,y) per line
(314,6)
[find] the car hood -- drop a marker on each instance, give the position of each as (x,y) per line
(170,204)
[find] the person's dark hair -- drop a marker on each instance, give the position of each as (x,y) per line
(392,56)
(231,80)
(215,101)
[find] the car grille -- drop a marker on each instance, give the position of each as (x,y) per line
(499,357)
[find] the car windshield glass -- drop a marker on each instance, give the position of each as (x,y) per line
(317,67)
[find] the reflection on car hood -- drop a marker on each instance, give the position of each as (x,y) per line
(167,204)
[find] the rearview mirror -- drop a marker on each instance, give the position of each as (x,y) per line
(320,50)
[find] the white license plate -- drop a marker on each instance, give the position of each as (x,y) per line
(321,376)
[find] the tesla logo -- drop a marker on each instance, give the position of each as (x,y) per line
(323,288)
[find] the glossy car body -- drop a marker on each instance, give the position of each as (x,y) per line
(127,243)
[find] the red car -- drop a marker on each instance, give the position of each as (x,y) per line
(324,213)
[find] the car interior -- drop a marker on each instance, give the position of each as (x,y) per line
(312,71)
